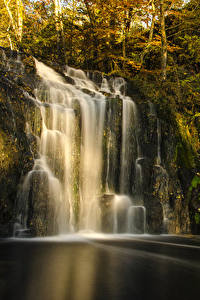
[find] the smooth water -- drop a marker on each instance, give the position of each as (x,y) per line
(100,267)
(68,176)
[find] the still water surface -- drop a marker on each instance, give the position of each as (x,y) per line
(97,268)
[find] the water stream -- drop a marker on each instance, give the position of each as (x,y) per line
(82,149)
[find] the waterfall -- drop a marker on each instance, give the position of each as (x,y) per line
(136,219)
(121,206)
(88,146)
(128,120)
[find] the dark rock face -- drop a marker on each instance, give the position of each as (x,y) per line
(169,207)
(41,209)
(17,150)
(165,182)
(112,124)
(106,203)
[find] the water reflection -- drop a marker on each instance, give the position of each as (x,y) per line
(112,269)
(61,273)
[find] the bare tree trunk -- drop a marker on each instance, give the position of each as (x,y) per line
(59,29)
(12,21)
(150,32)
(9,38)
(124,46)
(92,28)
(152,22)
(126,28)
(20,9)
(58,14)
(15,23)
(163,40)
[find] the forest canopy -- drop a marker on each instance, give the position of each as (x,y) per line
(156,42)
(108,35)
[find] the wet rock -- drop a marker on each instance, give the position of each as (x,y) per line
(89,92)
(69,79)
(17,151)
(96,77)
(106,204)
(137,220)
(165,184)
(23,233)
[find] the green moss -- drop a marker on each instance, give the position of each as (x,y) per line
(197,218)
(195,182)
(188,143)
(184,156)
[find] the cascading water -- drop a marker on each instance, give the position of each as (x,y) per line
(66,182)
(137,219)
(121,206)
(127,155)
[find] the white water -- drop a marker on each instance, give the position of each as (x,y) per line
(67,176)
(121,205)
(129,121)
(128,218)
(136,219)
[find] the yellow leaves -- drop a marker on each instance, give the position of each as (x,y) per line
(133,64)
(173,48)
(129,63)
(175,13)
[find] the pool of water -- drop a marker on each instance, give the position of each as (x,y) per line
(99,267)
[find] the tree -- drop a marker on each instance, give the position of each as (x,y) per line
(163,40)
(117,36)
(15,12)
(59,29)
(20,10)
(153,18)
